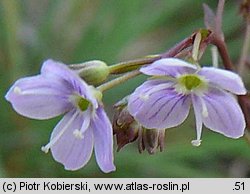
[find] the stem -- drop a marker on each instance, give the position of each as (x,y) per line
(127,66)
(244,102)
(219,15)
(187,42)
(222,48)
(245,49)
(218,40)
(118,80)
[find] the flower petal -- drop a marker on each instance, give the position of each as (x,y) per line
(163,109)
(103,136)
(224,79)
(168,67)
(142,93)
(60,71)
(39,98)
(69,150)
(224,114)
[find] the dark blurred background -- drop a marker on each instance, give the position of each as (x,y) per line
(32,31)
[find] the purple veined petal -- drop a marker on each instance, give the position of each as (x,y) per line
(39,98)
(197,104)
(57,70)
(224,79)
(142,93)
(224,114)
(70,150)
(103,141)
(164,109)
(168,67)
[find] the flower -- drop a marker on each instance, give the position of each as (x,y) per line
(125,127)
(92,72)
(85,125)
(151,140)
(127,130)
(164,101)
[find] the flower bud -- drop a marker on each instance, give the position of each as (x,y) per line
(151,139)
(124,125)
(128,130)
(93,72)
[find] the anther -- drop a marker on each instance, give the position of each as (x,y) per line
(78,134)
(196,142)
(45,149)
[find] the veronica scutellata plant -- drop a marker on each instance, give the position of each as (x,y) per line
(177,82)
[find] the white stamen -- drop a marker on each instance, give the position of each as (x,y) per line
(78,134)
(45,149)
(196,142)
(17,90)
(59,135)
(198,119)
(215,57)
(204,108)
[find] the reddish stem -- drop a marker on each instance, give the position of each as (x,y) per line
(219,14)
(187,42)
(127,66)
(222,48)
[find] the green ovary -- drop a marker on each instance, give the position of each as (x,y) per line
(190,81)
(83,104)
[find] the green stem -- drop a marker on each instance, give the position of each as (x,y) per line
(127,66)
(118,80)
(133,65)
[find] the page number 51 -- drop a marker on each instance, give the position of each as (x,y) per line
(239,186)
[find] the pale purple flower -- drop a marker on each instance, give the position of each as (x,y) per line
(58,90)
(164,101)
